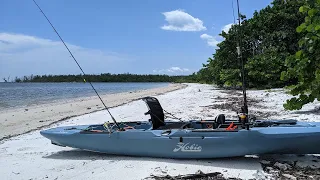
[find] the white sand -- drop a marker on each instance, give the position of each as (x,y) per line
(22,120)
(31,156)
(272,101)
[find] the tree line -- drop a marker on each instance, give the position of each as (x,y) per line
(106,77)
(280,47)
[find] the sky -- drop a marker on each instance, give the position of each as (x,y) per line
(114,36)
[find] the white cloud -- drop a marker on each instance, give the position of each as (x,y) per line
(177,69)
(173,70)
(24,55)
(211,41)
(227,27)
(179,20)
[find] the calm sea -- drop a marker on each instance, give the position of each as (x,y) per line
(24,94)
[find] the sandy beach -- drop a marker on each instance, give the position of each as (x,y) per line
(21,120)
(31,156)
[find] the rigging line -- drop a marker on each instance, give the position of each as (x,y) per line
(84,74)
(234,18)
(242,64)
(172,115)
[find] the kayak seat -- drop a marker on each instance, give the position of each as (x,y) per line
(155,112)
(220,119)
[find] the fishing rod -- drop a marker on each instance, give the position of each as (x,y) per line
(84,74)
(244,109)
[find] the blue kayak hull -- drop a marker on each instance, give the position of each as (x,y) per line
(192,143)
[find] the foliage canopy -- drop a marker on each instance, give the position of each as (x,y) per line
(304,65)
(280,47)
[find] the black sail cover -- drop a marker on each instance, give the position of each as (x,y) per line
(155,111)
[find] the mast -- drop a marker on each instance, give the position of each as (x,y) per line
(244,108)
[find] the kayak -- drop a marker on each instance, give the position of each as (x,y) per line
(191,139)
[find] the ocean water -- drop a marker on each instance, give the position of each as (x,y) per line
(24,94)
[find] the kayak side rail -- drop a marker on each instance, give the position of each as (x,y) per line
(186,137)
(214,130)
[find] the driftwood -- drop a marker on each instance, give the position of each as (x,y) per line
(197,176)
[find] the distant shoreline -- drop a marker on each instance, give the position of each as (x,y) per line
(16,121)
(104,77)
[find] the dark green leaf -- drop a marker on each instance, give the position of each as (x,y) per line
(310,28)
(312,12)
(298,54)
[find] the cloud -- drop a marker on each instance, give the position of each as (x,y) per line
(211,41)
(24,55)
(227,27)
(173,70)
(179,20)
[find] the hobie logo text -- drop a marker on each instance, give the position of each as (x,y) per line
(185,147)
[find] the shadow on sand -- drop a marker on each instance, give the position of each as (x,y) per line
(248,163)
(301,166)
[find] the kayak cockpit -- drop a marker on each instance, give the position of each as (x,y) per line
(111,127)
(157,122)
(168,125)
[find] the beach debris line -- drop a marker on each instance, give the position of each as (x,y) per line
(199,175)
(279,169)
